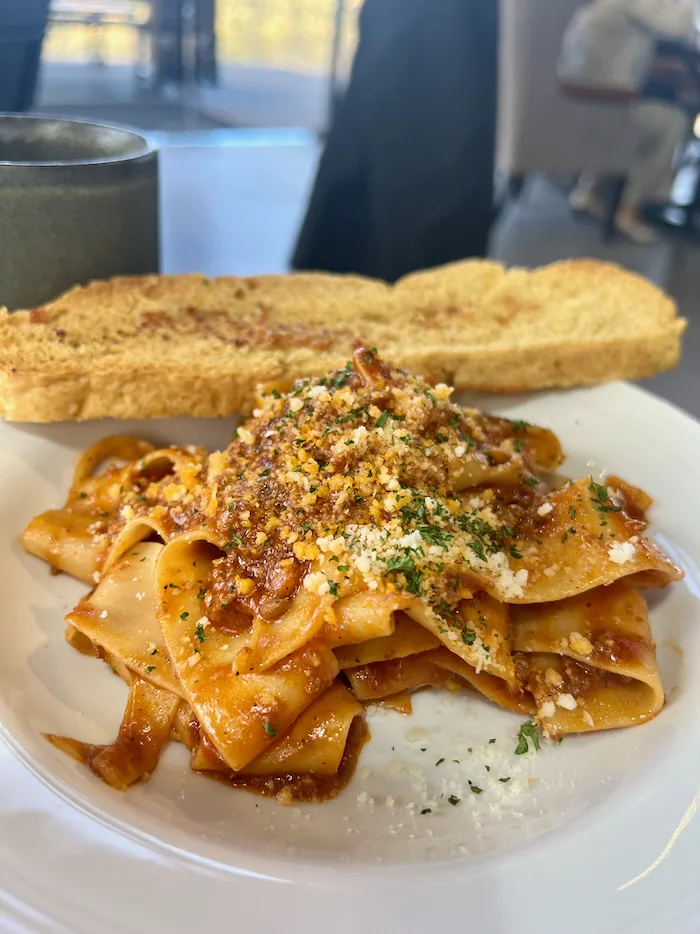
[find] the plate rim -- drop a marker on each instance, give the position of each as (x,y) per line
(93,812)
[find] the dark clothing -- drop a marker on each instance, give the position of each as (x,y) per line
(406,178)
(22,28)
(679,88)
(172,35)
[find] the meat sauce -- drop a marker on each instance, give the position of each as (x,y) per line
(304,788)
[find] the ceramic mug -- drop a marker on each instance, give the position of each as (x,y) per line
(78,201)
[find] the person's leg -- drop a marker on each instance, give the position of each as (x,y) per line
(588,196)
(661,128)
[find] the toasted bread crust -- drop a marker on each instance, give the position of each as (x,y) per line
(158,346)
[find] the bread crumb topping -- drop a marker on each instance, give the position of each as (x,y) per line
(361,470)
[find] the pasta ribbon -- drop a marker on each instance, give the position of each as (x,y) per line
(360,539)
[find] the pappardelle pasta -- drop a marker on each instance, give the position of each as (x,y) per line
(361,538)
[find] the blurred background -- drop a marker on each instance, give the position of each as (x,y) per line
(205,64)
(242,94)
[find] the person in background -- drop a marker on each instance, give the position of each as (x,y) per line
(405,181)
(610,47)
(22,30)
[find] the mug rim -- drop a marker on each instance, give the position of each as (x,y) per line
(149,147)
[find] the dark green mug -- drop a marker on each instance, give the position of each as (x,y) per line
(78,201)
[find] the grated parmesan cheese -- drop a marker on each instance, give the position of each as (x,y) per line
(621,552)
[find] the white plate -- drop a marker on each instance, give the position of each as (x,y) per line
(597,834)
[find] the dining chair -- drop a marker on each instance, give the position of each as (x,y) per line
(543,127)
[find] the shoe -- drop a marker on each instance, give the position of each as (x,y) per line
(634,228)
(656,214)
(586,201)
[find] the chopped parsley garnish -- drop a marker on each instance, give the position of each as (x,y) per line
(519,442)
(475,789)
(434,535)
(265,473)
(454,800)
(487,539)
(352,414)
(531,481)
(406,565)
(599,491)
(514,552)
(297,469)
(150,668)
(427,811)
(382,420)
(333,587)
(306,526)
(468,636)
(520,426)
(202,593)
(269,729)
(504,780)
(478,549)
(83,495)
(154,652)
(492,741)
(400,563)
(601,500)
(183,616)
(199,632)
(235,540)
(439,762)
(528,731)
(341,379)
